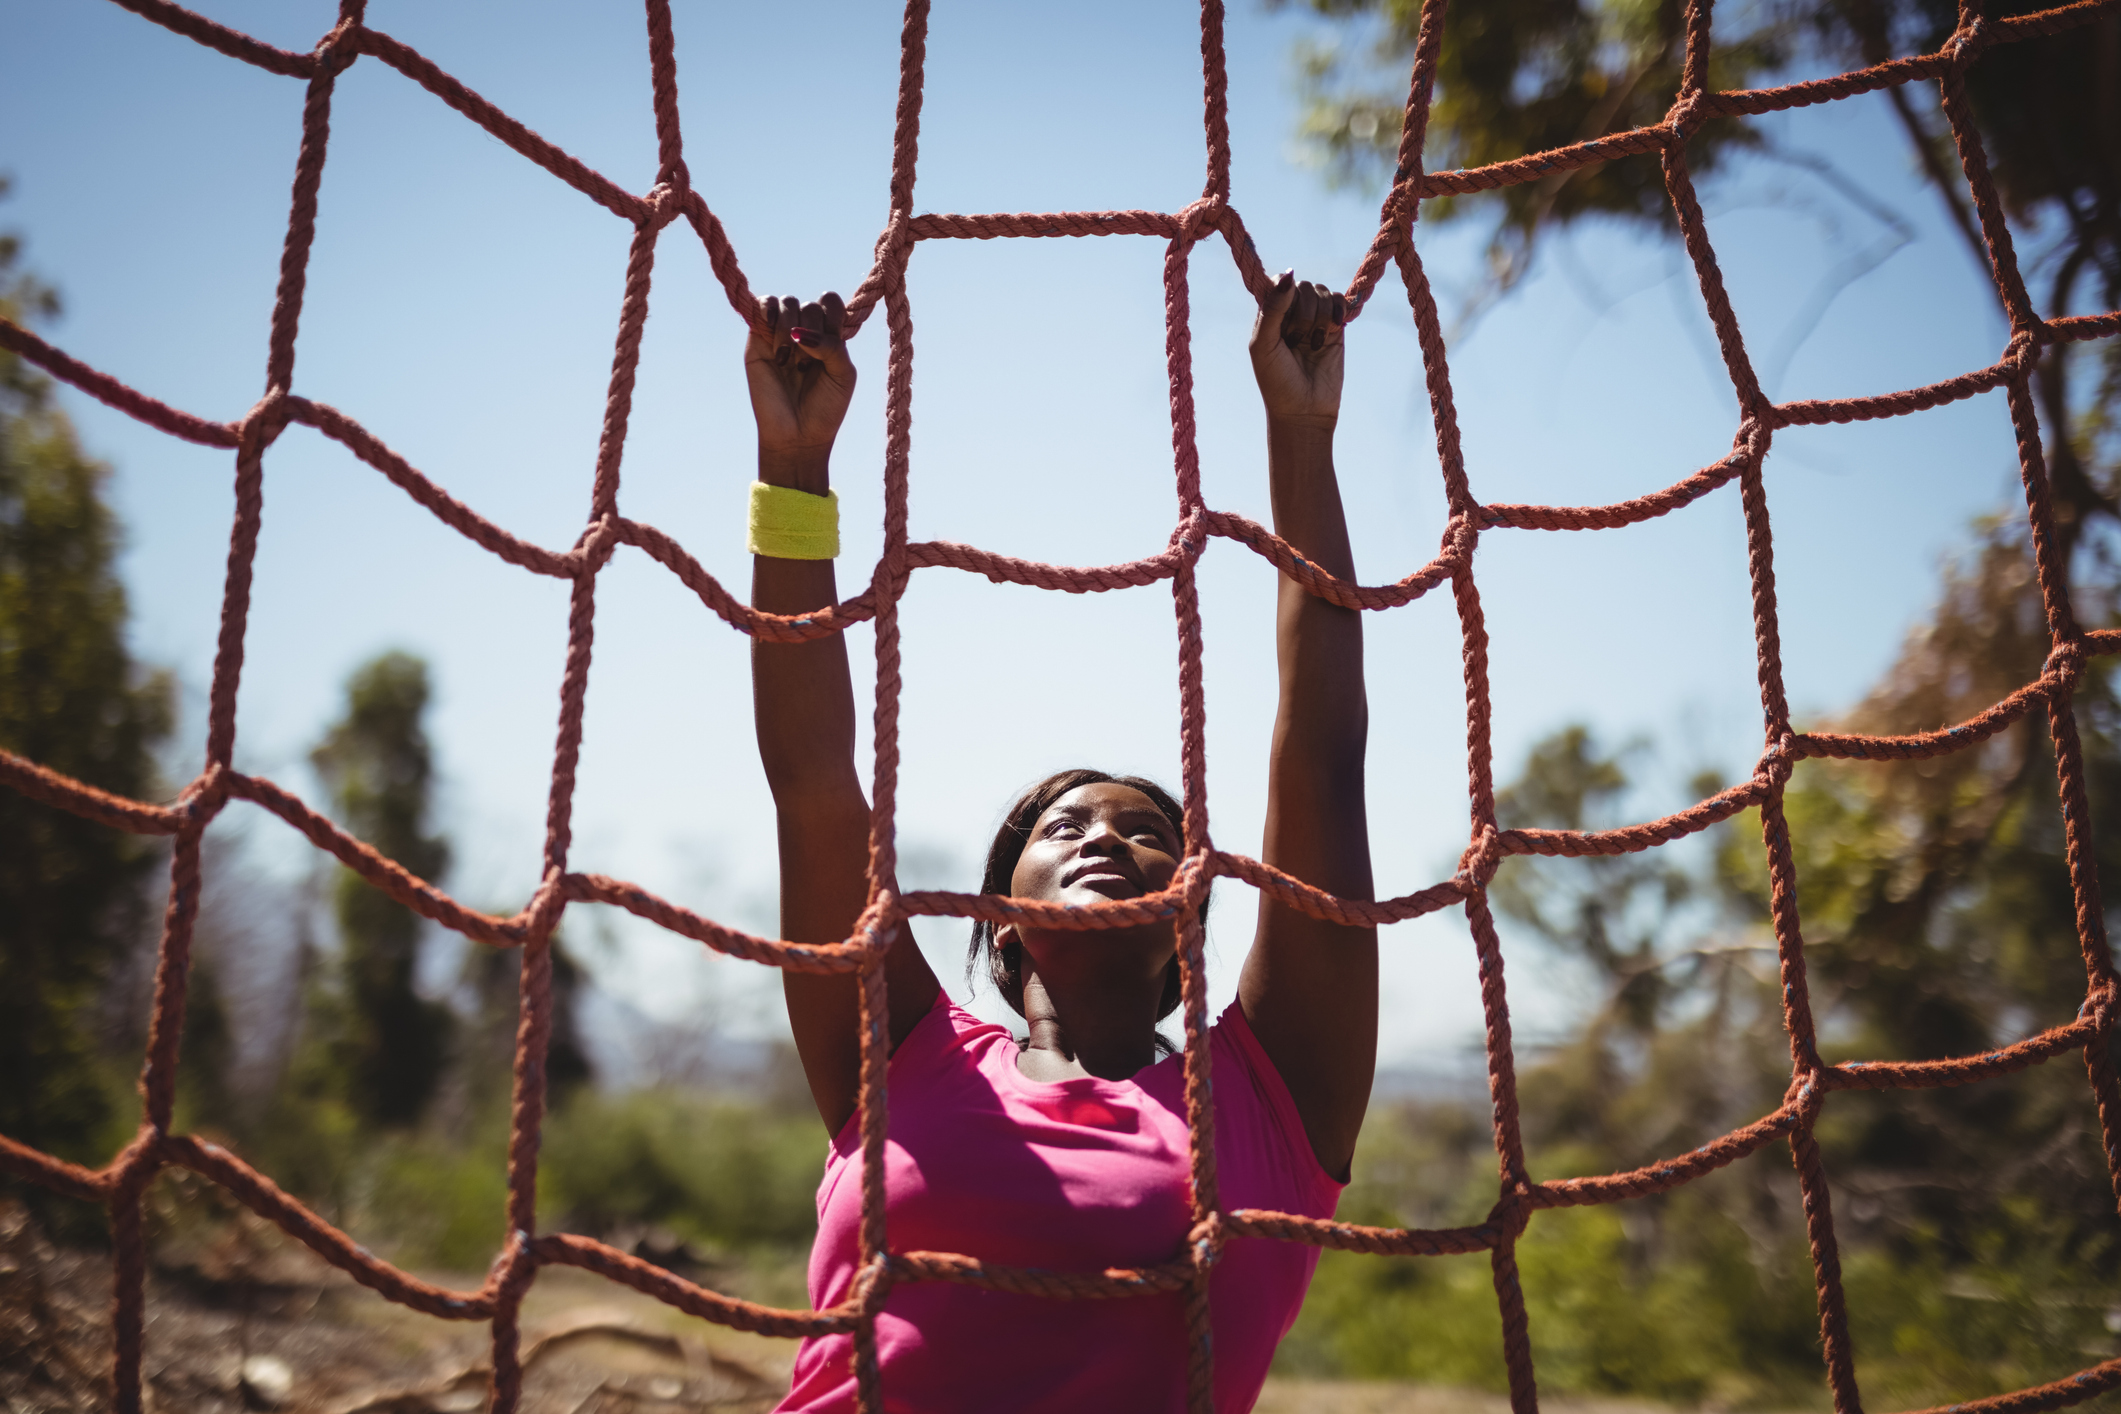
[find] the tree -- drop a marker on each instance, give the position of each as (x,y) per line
(1519,76)
(1977,1229)
(493,977)
(1936,903)
(387,1044)
(1934,892)
(1939,921)
(72,699)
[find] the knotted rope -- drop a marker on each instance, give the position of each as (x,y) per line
(121,1184)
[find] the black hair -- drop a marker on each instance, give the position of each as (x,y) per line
(1004,963)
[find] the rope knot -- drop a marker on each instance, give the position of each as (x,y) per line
(1403,203)
(1461,533)
(872,1283)
(2064,665)
(665,202)
(1481,859)
(542,914)
(1755,433)
(203,799)
(513,1266)
(336,51)
(879,922)
(1195,873)
(263,424)
(1206,1241)
(1805,1095)
(2023,351)
(1778,760)
(892,246)
(1967,42)
(135,1167)
(1202,216)
(1687,113)
(2100,1006)
(1189,537)
(1512,1212)
(596,542)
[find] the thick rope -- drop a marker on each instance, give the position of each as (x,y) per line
(121,1184)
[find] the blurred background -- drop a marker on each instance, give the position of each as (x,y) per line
(461,305)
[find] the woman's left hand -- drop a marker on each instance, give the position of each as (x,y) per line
(1296,351)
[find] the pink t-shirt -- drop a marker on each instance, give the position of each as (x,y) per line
(1076,1175)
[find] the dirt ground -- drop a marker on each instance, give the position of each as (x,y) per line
(243,1319)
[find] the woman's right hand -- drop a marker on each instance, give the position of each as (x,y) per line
(1297,353)
(801,379)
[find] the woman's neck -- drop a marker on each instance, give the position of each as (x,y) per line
(1088,1026)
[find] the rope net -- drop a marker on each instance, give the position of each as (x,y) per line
(121,1184)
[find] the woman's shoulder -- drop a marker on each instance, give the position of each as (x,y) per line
(954,1027)
(945,1051)
(947,1032)
(1256,1119)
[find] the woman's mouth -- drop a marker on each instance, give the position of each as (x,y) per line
(1105,879)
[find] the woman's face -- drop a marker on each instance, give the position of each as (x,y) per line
(1100,841)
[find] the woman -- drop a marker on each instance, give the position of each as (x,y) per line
(1067,1150)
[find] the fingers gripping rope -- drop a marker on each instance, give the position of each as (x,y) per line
(121,1184)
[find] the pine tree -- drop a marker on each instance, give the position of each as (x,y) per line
(72,699)
(388,1045)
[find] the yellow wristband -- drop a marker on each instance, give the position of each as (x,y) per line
(794,525)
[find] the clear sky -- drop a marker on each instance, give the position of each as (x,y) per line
(462,306)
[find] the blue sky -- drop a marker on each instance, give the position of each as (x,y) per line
(462,306)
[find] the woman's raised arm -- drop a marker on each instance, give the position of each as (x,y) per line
(803,706)
(1309,989)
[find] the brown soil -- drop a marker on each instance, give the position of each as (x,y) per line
(240,1318)
(244,1319)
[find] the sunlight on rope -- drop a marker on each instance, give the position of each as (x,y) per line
(121,1184)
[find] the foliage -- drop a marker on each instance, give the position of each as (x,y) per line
(726,1173)
(388,1044)
(1681,1311)
(1612,909)
(1939,921)
(1519,76)
(1978,1225)
(485,1059)
(1978,1237)
(71,698)
(440,1200)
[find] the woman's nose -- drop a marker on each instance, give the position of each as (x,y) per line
(1103,840)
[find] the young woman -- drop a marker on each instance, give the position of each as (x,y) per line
(1066,1150)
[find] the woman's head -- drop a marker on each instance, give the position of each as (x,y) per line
(1078,832)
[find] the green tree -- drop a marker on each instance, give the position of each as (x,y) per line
(493,977)
(1520,76)
(1936,904)
(72,699)
(1977,1229)
(387,1044)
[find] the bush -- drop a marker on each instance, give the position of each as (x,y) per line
(441,1205)
(723,1173)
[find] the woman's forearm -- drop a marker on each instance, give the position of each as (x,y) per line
(802,693)
(1322,724)
(1309,988)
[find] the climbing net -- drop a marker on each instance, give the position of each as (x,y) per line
(121,1184)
